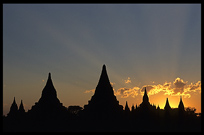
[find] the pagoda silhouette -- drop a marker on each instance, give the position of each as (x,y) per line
(13,109)
(102,113)
(15,112)
(145,103)
(48,105)
(48,114)
(103,100)
(103,110)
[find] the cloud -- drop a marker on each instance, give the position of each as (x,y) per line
(126,92)
(179,85)
(195,87)
(112,84)
(148,88)
(154,89)
(128,80)
(88,91)
(167,85)
(178,88)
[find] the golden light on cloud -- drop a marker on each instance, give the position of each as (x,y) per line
(128,80)
(126,92)
(88,91)
(178,87)
(159,92)
(112,84)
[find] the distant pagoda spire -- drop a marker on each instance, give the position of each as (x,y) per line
(132,108)
(181,105)
(21,108)
(158,107)
(126,107)
(145,105)
(167,106)
(145,97)
(13,109)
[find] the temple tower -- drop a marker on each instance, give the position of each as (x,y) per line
(48,104)
(21,109)
(167,106)
(145,97)
(145,103)
(181,105)
(127,109)
(13,109)
(103,101)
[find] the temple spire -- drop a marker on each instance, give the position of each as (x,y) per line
(104,87)
(103,100)
(126,107)
(48,104)
(49,89)
(181,105)
(14,104)
(167,106)
(145,97)
(14,101)
(13,109)
(104,77)
(49,80)
(21,107)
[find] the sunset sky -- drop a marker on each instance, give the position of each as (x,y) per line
(157,46)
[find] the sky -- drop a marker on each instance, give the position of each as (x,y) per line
(157,46)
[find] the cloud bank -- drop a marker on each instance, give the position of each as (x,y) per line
(178,87)
(126,92)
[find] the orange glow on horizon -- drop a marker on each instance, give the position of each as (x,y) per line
(157,93)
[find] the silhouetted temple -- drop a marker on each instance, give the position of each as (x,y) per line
(181,105)
(48,105)
(127,109)
(13,109)
(103,102)
(102,113)
(145,104)
(167,106)
(21,109)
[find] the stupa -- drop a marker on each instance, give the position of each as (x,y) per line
(181,105)
(145,103)
(167,106)
(103,101)
(13,109)
(48,104)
